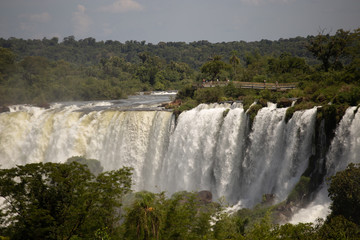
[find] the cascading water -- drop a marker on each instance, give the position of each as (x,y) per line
(212,147)
(278,153)
(205,150)
(210,151)
(116,138)
(344,149)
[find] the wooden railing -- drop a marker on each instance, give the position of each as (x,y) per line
(252,85)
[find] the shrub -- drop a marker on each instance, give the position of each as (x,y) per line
(344,191)
(209,95)
(300,190)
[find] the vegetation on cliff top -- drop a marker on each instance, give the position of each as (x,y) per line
(335,80)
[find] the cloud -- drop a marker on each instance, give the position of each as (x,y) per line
(81,21)
(120,6)
(31,23)
(107,30)
(263,2)
(42,17)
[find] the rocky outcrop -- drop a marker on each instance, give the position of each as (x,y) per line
(4,109)
(205,197)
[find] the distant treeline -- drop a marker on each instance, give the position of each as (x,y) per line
(88,51)
(41,71)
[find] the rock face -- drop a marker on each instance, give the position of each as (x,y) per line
(284,102)
(4,109)
(268,199)
(205,197)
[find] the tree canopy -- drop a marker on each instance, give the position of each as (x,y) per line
(344,191)
(60,201)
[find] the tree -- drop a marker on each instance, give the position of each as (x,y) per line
(7,63)
(93,164)
(344,191)
(144,217)
(353,51)
(213,68)
(229,226)
(59,201)
(7,59)
(338,227)
(329,49)
(209,95)
(287,63)
(234,61)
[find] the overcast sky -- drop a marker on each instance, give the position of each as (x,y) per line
(175,20)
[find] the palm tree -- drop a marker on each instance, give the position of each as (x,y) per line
(234,61)
(144,217)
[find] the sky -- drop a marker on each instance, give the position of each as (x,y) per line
(154,21)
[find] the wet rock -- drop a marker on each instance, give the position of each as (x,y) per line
(268,199)
(205,197)
(284,102)
(4,109)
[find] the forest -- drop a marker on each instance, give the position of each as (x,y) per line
(43,71)
(76,200)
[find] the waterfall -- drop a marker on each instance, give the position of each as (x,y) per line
(209,151)
(344,149)
(205,150)
(136,139)
(278,153)
(211,147)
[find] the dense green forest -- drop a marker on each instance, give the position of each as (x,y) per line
(42,71)
(76,201)
(90,52)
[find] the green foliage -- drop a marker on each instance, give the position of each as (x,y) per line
(232,92)
(93,164)
(253,110)
(153,216)
(329,49)
(229,227)
(59,201)
(331,115)
(186,92)
(209,95)
(88,51)
(186,217)
(186,105)
(286,63)
(300,190)
(304,231)
(225,113)
(66,201)
(40,71)
(7,61)
(338,227)
(144,217)
(344,191)
(261,229)
(101,234)
(303,105)
(213,69)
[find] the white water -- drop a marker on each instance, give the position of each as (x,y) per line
(116,138)
(208,151)
(205,150)
(211,148)
(344,149)
(278,153)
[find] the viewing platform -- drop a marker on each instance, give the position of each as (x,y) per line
(252,85)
